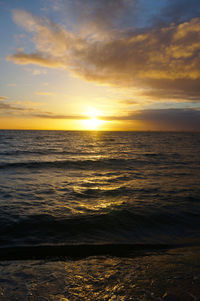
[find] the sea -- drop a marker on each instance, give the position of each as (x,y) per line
(74,194)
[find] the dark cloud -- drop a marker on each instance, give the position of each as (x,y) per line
(48,115)
(175,90)
(101,16)
(172,119)
(165,119)
(102,12)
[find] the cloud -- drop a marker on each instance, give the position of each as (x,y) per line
(161,57)
(48,115)
(177,90)
(98,18)
(3,98)
(106,17)
(161,119)
(29,109)
(171,119)
(164,119)
(19,108)
(163,62)
(13,107)
(35,59)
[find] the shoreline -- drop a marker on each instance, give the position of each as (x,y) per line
(172,274)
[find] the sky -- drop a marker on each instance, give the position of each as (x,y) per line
(125,65)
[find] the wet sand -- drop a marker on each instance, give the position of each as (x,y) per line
(158,275)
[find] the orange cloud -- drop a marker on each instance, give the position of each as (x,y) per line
(36,59)
(3,97)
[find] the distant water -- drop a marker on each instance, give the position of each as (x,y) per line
(60,188)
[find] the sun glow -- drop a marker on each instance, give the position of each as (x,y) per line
(93,123)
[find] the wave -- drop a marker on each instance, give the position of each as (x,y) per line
(114,224)
(43,152)
(100,163)
(120,191)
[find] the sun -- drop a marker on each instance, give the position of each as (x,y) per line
(92,123)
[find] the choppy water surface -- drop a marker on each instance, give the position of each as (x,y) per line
(99,187)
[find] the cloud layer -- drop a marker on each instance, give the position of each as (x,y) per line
(163,62)
(170,119)
(151,53)
(161,119)
(157,119)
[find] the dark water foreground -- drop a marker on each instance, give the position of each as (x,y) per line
(66,188)
(159,276)
(99,216)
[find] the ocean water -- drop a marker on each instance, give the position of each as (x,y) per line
(60,188)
